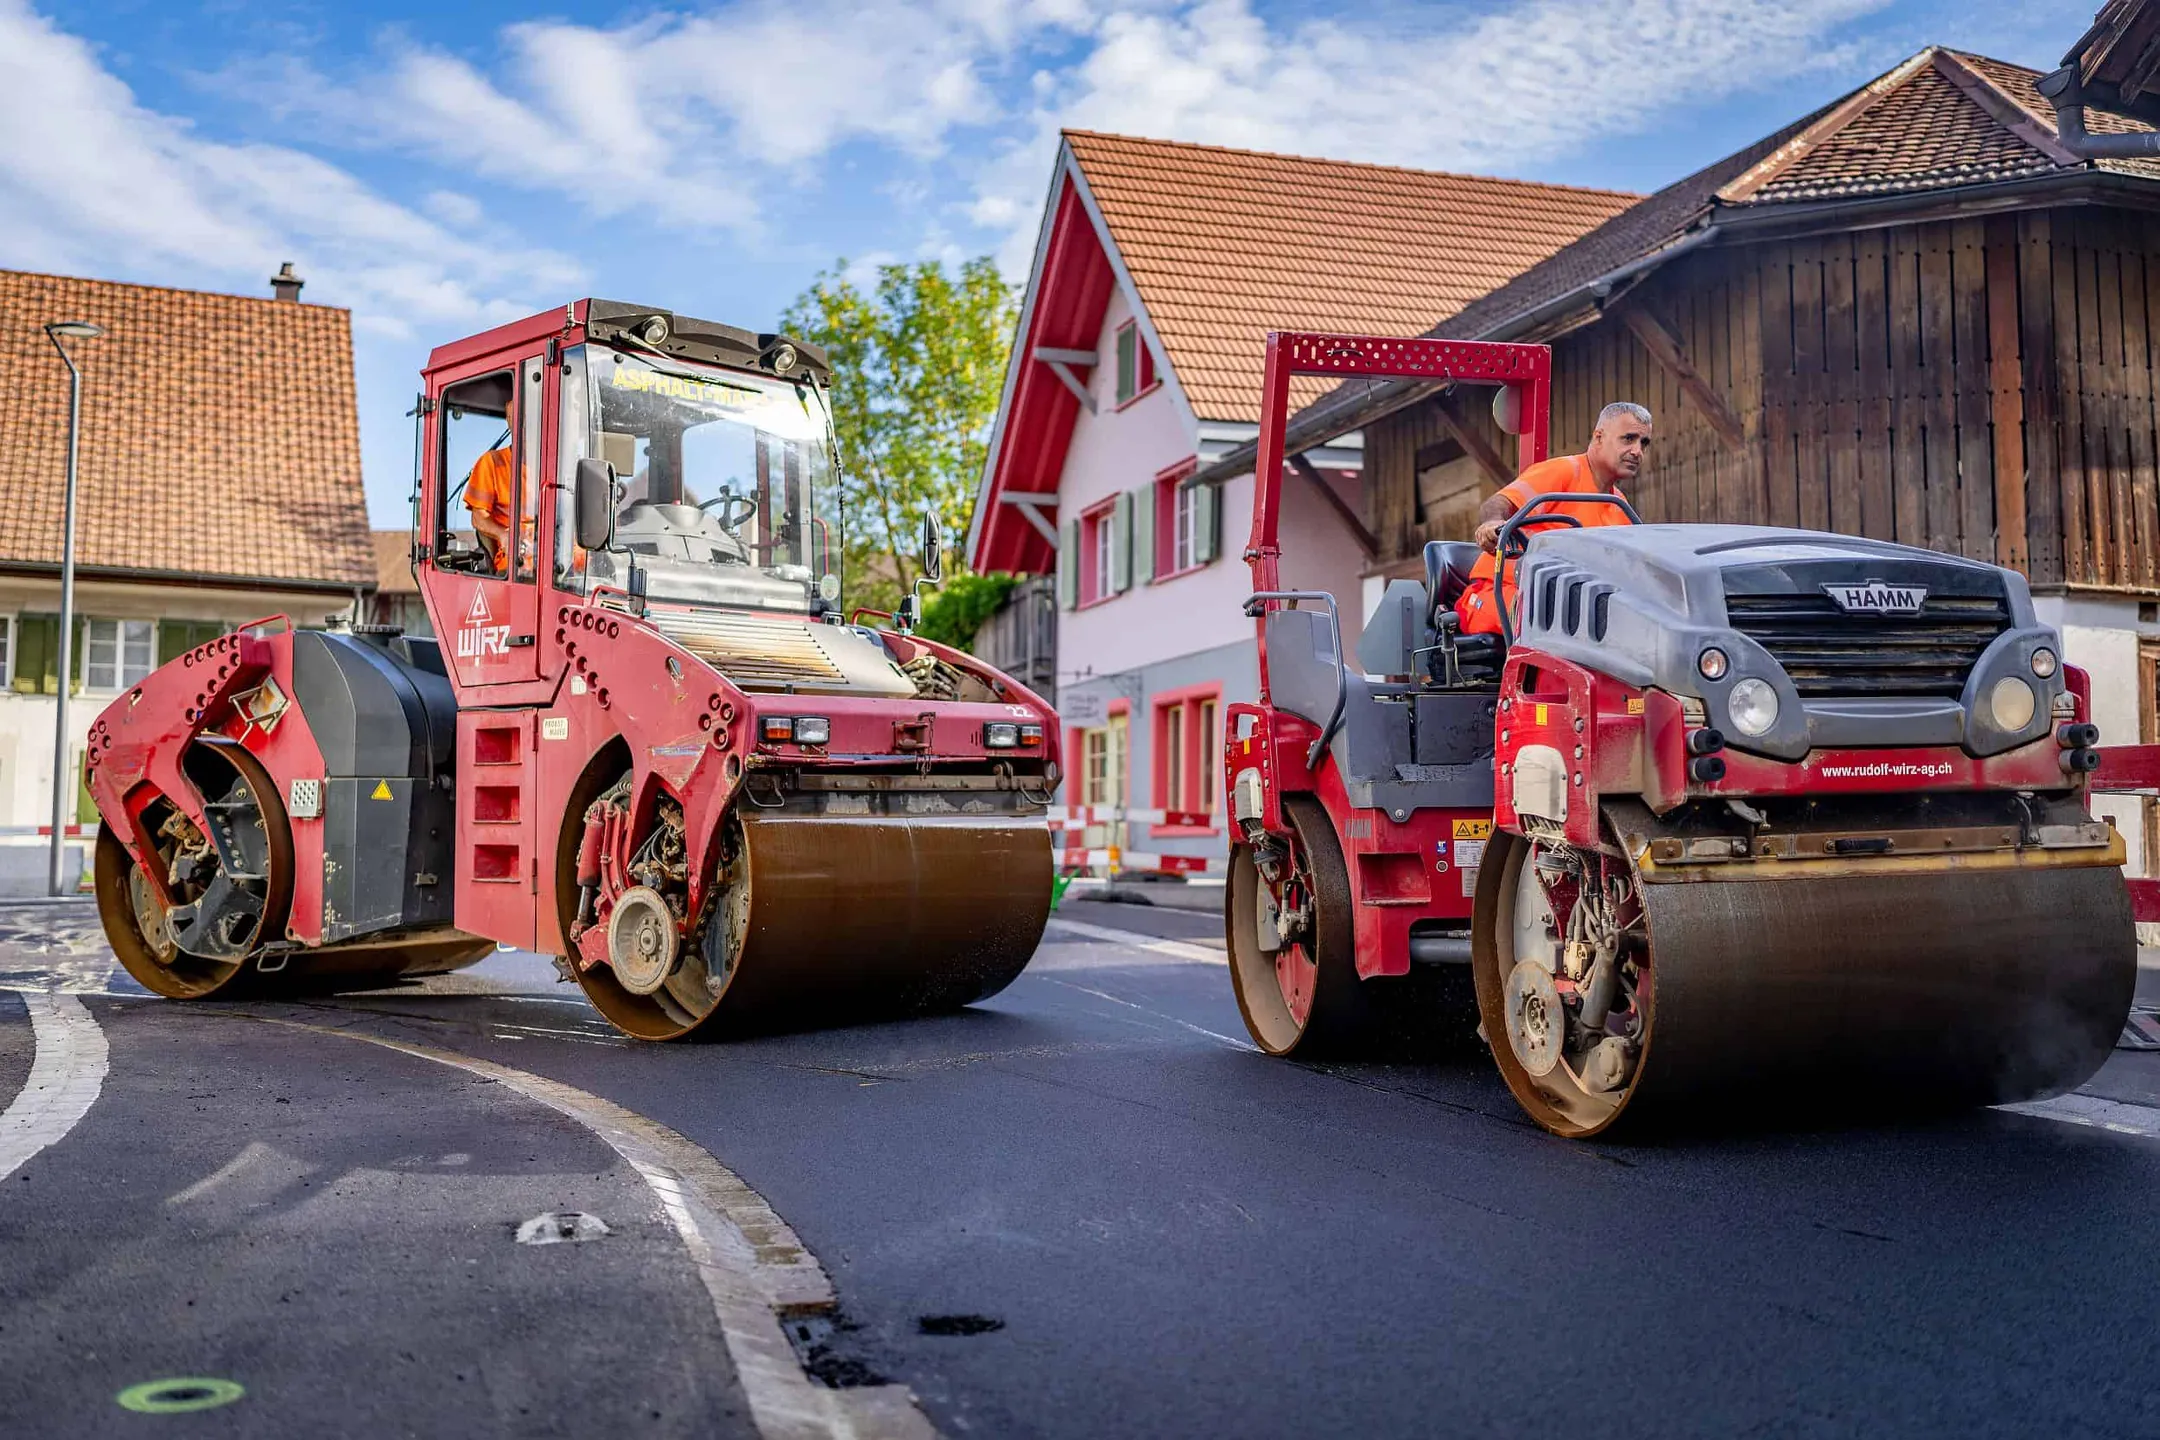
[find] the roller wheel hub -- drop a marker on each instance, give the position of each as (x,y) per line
(642,940)
(1536,1024)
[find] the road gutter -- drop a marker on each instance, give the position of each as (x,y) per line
(754,1267)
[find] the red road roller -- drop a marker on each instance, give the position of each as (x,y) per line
(1731,819)
(646,741)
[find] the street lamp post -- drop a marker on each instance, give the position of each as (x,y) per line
(62,792)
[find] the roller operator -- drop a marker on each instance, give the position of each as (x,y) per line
(1619,447)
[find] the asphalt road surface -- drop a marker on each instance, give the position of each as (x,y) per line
(1085,1208)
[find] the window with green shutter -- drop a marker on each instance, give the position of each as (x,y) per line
(37,655)
(176,637)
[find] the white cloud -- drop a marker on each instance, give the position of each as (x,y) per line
(1493,93)
(683,118)
(92,181)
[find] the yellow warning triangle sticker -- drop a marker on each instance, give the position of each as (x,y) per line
(381,790)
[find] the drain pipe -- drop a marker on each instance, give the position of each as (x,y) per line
(2065,90)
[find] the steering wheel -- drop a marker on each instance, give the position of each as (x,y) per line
(1512,543)
(730,517)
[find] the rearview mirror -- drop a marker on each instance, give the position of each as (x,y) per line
(933,548)
(595,504)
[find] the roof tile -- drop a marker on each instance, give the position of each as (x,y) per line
(220,435)
(1224,245)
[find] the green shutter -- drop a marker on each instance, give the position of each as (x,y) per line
(86,811)
(1207,523)
(1068,575)
(176,637)
(1121,544)
(1128,363)
(37,646)
(1144,501)
(37,660)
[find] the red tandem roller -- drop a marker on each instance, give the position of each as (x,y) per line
(1733,820)
(646,742)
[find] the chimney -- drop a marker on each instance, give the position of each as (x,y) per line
(285,285)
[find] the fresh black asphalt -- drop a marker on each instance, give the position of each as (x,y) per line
(1160,1232)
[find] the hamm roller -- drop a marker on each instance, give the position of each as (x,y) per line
(1731,819)
(646,742)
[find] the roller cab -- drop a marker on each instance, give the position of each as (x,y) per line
(649,741)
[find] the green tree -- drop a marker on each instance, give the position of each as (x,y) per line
(953,614)
(917,362)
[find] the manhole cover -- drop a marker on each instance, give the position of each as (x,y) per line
(561,1227)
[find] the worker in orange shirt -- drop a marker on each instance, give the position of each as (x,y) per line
(1619,445)
(488,496)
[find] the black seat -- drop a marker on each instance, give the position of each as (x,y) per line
(1448,564)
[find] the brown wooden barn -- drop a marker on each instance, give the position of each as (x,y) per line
(1916,314)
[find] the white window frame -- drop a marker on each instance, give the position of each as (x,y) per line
(114,637)
(1185,508)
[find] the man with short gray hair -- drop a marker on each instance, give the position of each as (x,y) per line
(1619,446)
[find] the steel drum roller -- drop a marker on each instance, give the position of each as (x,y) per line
(1856,993)
(855,918)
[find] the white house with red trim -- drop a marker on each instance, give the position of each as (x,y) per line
(1158,270)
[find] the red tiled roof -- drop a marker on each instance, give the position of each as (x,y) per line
(1941,120)
(220,436)
(1225,245)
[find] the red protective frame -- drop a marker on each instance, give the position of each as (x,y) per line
(1379,357)
(1399,872)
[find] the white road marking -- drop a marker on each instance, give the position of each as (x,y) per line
(1187,1024)
(753,1266)
(254,1152)
(1132,940)
(64,1081)
(2119,1116)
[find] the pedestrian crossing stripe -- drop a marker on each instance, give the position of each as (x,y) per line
(381,791)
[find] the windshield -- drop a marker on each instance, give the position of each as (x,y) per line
(728,492)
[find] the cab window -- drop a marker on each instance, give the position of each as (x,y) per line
(476,514)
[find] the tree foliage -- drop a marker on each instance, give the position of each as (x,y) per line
(917,363)
(957,610)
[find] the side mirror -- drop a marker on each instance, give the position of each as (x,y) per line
(596,487)
(908,614)
(933,548)
(1507,409)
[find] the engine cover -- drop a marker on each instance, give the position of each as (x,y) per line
(1863,643)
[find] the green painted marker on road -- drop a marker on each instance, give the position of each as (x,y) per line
(179,1396)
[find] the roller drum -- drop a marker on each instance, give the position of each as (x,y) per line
(1957,987)
(859,916)
(1866,994)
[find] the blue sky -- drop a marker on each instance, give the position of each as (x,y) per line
(439,168)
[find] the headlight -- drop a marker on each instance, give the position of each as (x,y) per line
(1001,736)
(812,730)
(1753,707)
(1712,663)
(2043,662)
(2011,703)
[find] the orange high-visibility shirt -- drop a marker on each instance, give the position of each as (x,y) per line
(488,494)
(1561,474)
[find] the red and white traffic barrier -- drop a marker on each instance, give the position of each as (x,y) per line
(1073,817)
(1114,861)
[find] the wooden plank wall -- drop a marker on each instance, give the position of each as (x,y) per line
(1982,387)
